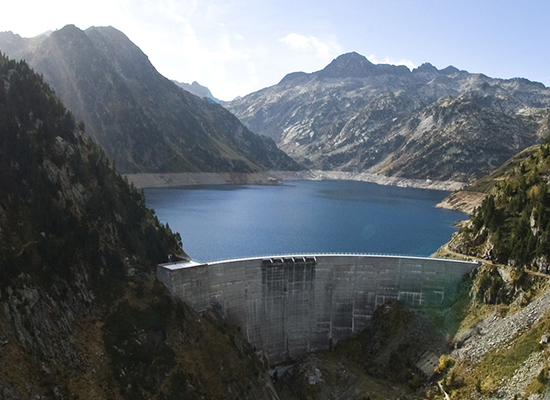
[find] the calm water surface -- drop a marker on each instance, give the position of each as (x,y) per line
(229,221)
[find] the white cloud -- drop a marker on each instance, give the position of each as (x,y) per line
(309,44)
(389,60)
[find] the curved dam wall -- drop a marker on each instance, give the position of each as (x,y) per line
(287,306)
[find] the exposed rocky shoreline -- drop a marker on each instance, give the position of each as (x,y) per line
(275,177)
(462,201)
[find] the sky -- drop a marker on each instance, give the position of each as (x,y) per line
(235,47)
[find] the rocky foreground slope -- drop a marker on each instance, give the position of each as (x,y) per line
(427,123)
(144,122)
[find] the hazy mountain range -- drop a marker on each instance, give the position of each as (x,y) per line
(145,122)
(427,123)
(198,90)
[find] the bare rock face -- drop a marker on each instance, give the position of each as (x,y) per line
(462,201)
(426,123)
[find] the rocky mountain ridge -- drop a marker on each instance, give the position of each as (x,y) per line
(198,90)
(427,123)
(144,122)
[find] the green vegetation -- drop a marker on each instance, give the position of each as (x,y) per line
(160,348)
(81,314)
(389,348)
(510,230)
(512,225)
(488,182)
(62,203)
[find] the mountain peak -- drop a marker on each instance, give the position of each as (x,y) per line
(449,70)
(349,65)
(69,34)
(426,68)
(295,78)
(197,89)
(352,57)
(354,65)
(69,28)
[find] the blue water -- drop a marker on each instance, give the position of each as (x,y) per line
(231,221)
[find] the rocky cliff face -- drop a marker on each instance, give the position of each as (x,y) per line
(142,120)
(426,123)
(81,315)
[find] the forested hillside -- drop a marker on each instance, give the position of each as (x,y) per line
(81,314)
(512,225)
(500,348)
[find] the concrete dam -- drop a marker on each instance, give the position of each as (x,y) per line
(289,305)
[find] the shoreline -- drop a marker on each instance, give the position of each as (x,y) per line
(150,180)
(463,201)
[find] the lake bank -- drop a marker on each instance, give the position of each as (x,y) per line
(462,201)
(151,180)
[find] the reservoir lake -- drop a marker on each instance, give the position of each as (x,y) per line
(233,221)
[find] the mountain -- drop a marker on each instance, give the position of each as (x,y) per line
(427,123)
(81,313)
(198,90)
(144,122)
